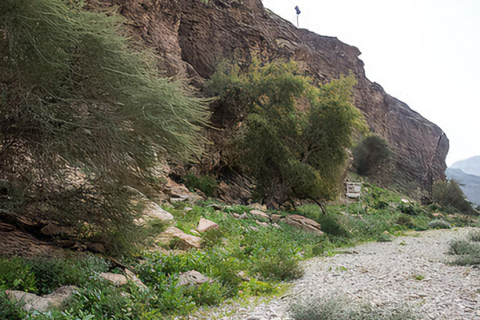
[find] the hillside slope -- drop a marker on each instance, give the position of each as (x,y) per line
(468,166)
(469,183)
(192,36)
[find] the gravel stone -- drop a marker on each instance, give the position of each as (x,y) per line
(411,270)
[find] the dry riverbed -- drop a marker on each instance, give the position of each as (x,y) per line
(411,271)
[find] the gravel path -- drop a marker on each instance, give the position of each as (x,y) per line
(410,270)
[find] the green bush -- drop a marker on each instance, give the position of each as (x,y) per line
(16,274)
(405,220)
(88,110)
(10,310)
(206,184)
(330,224)
(371,156)
(449,194)
(462,247)
(289,135)
(278,265)
(206,294)
(53,273)
(439,224)
(474,236)
(410,208)
(467,252)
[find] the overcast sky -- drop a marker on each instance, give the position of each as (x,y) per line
(423,52)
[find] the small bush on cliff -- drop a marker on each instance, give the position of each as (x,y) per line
(289,135)
(206,184)
(81,112)
(449,194)
(370,155)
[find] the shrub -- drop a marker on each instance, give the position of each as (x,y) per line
(439,224)
(331,225)
(467,252)
(449,194)
(370,155)
(290,136)
(409,208)
(16,274)
(53,273)
(474,236)
(212,237)
(10,310)
(206,184)
(405,220)
(206,293)
(278,266)
(87,111)
(462,247)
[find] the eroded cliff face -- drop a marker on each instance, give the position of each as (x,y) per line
(192,36)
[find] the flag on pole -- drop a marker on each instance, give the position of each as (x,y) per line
(298,10)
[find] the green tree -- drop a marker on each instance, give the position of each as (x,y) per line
(289,135)
(81,112)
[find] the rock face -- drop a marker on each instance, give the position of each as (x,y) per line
(191,36)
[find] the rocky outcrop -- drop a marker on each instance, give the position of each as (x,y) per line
(304,223)
(32,302)
(184,241)
(192,36)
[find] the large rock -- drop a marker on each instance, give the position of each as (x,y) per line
(114,278)
(191,37)
(178,192)
(260,214)
(192,277)
(185,241)
(151,210)
(205,225)
(304,223)
(32,302)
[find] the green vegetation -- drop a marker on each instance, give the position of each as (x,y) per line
(439,224)
(371,156)
(449,195)
(288,135)
(339,308)
(207,184)
(81,112)
(242,258)
(466,251)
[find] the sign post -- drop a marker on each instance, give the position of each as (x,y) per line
(354,191)
(298,14)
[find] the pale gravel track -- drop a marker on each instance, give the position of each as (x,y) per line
(383,275)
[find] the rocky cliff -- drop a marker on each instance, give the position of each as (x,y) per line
(191,36)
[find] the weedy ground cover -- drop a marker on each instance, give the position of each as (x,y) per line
(242,258)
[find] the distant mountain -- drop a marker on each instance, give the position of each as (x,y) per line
(469,183)
(469,166)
